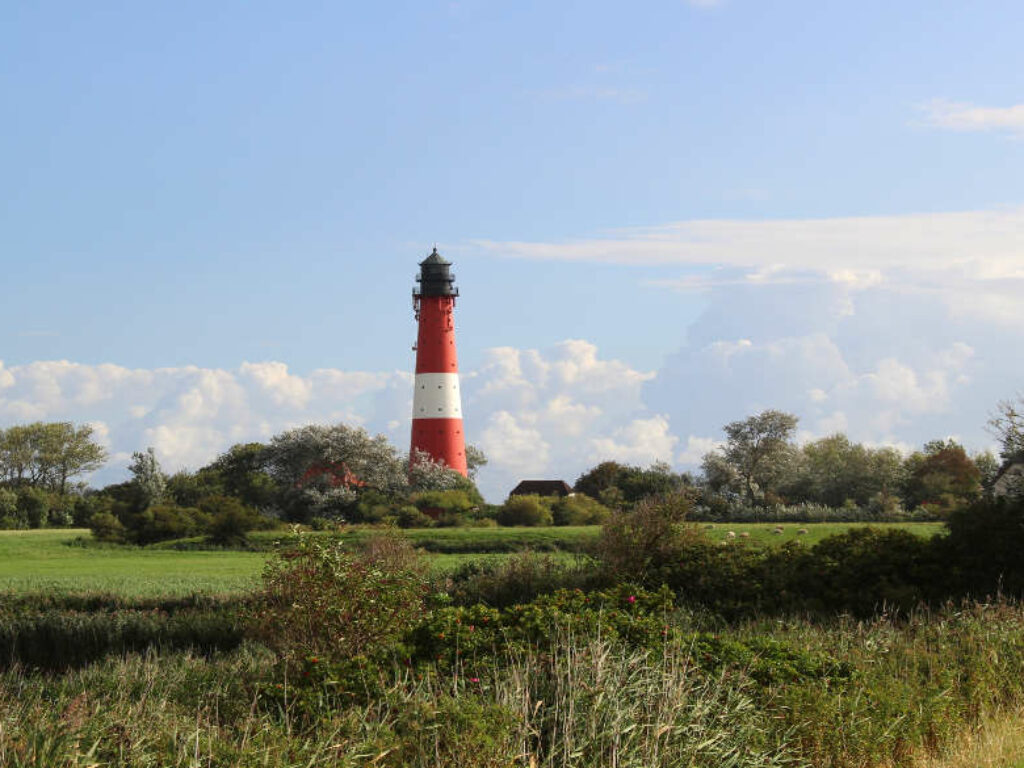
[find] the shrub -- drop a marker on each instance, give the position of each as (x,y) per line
(320,600)
(983,548)
(528,510)
(162,522)
(231,520)
(106,527)
(640,543)
(518,578)
(411,517)
(579,509)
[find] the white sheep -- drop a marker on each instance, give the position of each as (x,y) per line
(730,534)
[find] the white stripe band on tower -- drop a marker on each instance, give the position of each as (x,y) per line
(437,396)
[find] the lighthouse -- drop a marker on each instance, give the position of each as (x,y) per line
(437,403)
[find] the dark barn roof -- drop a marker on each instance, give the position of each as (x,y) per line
(542,488)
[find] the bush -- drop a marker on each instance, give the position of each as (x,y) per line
(411,517)
(639,544)
(529,510)
(519,578)
(231,520)
(162,522)
(579,509)
(320,600)
(983,548)
(106,527)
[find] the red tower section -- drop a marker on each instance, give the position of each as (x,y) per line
(437,402)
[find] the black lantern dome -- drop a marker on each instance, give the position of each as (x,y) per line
(435,277)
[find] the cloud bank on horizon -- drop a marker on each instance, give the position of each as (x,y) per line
(894,329)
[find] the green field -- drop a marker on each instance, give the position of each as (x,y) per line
(764,533)
(35,561)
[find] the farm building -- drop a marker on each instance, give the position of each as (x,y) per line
(542,488)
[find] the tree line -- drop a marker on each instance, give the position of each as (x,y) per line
(321,475)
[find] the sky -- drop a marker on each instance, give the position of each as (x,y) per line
(663,216)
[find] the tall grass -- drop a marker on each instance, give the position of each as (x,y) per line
(589,705)
(919,691)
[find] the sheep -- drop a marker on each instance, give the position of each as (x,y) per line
(744,535)
(802,531)
(777,531)
(730,534)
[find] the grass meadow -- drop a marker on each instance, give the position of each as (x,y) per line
(54,560)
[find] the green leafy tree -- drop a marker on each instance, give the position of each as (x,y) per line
(833,471)
(613,483)
(475,459)
(759,450)
(148,480)
(942,475)
(602,477)
(48,455)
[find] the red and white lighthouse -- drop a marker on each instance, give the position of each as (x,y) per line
(437,404)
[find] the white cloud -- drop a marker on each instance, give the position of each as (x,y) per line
(642,441)
(534,412)
(513,446)
(963,116)
(869,246)
(695,450)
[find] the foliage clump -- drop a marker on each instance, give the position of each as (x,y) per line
(318,599)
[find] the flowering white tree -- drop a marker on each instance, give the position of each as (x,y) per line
(321,468)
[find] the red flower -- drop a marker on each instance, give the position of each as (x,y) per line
(631,599)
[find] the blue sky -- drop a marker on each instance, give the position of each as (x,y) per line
(663,217)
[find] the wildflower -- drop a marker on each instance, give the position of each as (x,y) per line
(474,679)
(631,599)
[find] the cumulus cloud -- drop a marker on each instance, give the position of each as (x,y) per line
(963,116)
(534,412)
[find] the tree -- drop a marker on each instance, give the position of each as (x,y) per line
(320,470)
(1008,425)
(610,480)
(48,455)
(833,470)
(602,477)
(147,478)
(475,458)
(758,448)
(943,474)
(71,451)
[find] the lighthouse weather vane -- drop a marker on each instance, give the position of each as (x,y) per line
(437,403)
